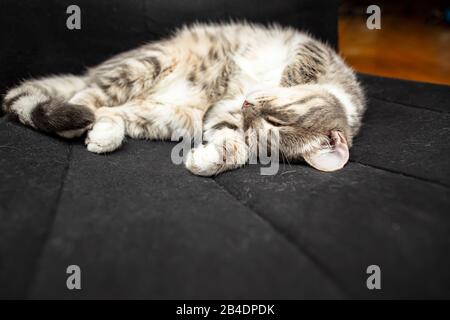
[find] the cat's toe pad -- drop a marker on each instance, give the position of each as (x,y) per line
(203,160)
(105,137)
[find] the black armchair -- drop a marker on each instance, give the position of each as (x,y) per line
(141,227)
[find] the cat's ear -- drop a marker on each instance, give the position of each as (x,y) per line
(331,157)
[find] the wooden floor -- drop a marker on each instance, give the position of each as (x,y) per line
(402,48)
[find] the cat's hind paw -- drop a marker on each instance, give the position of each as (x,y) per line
(105,136)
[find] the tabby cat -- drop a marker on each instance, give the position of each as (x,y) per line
(232,84)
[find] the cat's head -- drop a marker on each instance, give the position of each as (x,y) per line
(310,124)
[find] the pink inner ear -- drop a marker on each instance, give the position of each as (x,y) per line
(330,158)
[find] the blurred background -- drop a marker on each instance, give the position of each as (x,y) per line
(413,42)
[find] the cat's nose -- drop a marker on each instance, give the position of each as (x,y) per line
(247,104)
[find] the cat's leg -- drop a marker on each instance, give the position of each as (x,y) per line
(108,131)
(225,147)
(127,78)
(141,120)
(311,62)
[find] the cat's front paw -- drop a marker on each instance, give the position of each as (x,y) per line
(203,160)
(105,136)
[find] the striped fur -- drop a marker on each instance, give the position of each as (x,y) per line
(196,81)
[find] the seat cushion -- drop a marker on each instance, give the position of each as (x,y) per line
(141,227)
(414,94)
(406,129)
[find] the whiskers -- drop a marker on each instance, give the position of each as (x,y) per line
(285,159)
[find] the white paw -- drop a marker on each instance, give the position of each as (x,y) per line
(105,136)
(204,160)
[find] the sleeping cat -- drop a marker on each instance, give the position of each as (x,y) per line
(233,84)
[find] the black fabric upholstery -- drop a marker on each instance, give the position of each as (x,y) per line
(32,170)
(354,218)
(142,227)
(414,94)
(402,136)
